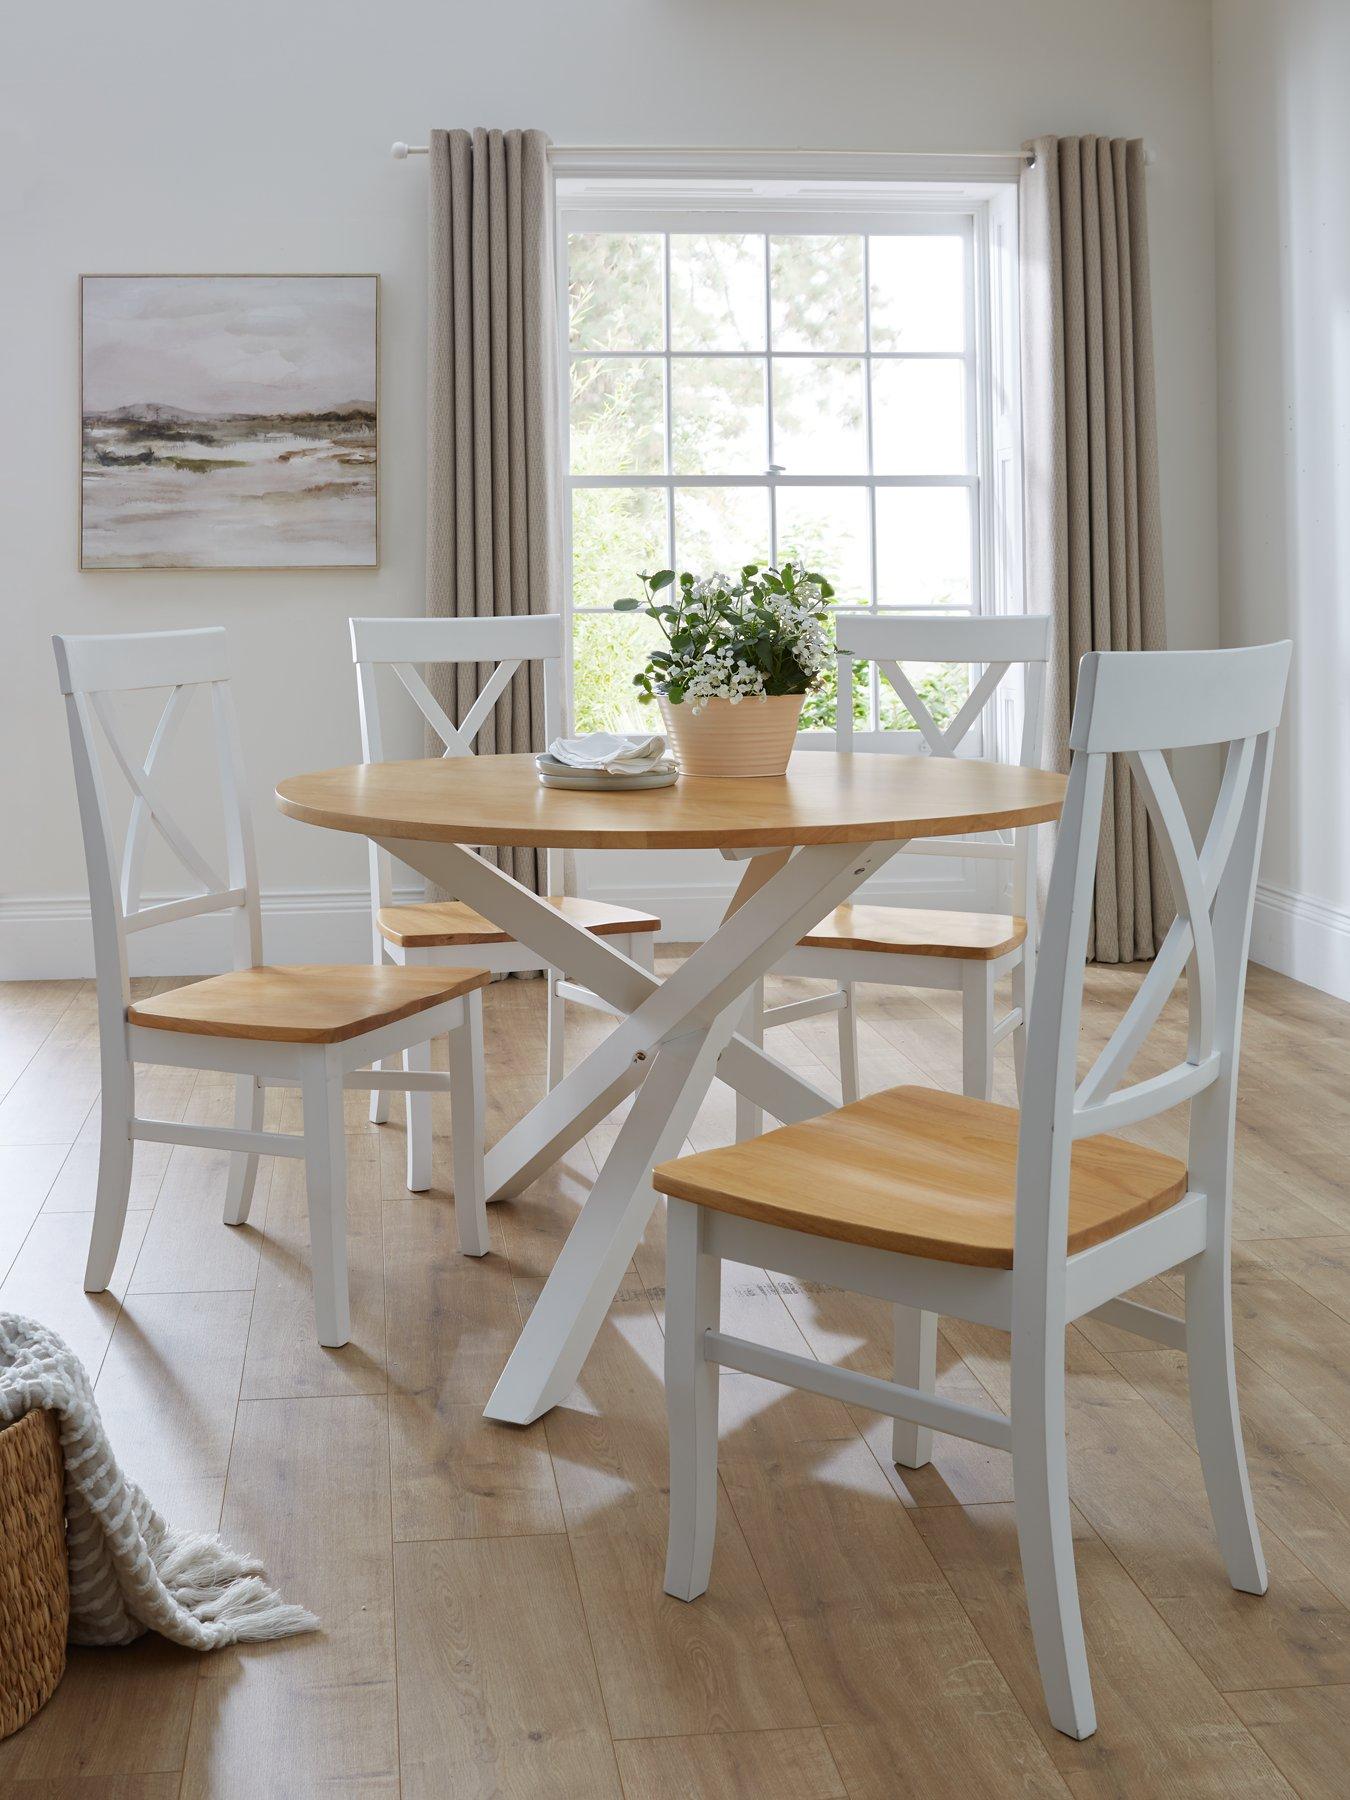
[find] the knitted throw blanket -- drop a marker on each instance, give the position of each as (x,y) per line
(129,1571)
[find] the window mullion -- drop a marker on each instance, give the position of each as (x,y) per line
(669,393)
(873,683)
(768,402)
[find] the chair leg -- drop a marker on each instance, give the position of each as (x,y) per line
(117,1102)
(642,949)
(848,1043)
(1218,1425)
(693,1306)
(326,1185)
(249,1099)
(467,1106)
(1021,999)
(557,1031)
(379,1097)
(749,1117)
(418,1110)
(977,1031)
(916,1367)
(1045,1530)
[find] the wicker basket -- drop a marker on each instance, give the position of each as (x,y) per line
(34,1581)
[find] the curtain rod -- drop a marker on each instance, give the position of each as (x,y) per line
(401,151)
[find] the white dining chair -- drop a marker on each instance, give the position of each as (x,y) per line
(946,1203)
(315,1027)
(965,952)
(421,933)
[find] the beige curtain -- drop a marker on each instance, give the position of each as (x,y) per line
(1093,529)
(493,520)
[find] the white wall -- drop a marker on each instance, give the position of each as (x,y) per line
(157,136)
(1282,118)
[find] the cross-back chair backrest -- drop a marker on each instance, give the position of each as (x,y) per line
(402,644)
(93,671)
(1142,705)
(996,646)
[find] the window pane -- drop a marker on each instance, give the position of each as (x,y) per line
(918,292)
(818,426)
(615,533)
(608,649)
(717,416)
(817,293)
(717,292)
(827,529)
(941,686)
(614,285)
(918,418)
(618,416)
(820,710)
(721,529)
(923,547)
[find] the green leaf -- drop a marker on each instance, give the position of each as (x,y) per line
(661,579)
(627,605)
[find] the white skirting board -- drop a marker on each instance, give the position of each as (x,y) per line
(48,939)
(1302,937)
(45,939)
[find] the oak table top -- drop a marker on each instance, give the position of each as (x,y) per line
(825,798)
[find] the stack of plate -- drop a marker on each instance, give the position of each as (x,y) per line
(557,774)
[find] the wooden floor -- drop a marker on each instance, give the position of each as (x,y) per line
(493,1621)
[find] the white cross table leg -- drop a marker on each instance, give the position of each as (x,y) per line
(676,1036)
(570,1310)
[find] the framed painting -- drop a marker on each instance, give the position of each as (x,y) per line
(229,421)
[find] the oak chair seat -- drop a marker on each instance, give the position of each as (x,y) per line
(920,1172)
(915,931)
(303,1003)
(439,924)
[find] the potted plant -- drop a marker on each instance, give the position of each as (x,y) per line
(740,657)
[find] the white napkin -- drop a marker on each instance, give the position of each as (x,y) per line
(616,752)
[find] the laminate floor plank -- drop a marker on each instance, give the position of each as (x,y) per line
(493,1620)
(45,1281)
(666,1668)
(28,1173)
(452,1321)
(498,1695)
(1305,1732)
(1141,1490)
(188,1247)
(168,1391)
(116,1715)
(894,1668)
(1162,1728)
(735,1765)
(308,1491)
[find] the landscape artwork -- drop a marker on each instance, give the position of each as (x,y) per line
(228,421)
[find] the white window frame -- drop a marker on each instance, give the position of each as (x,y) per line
(760,192)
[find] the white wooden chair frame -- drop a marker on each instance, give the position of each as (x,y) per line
(1140,705)
(401,645)
(996,645)
(91,670)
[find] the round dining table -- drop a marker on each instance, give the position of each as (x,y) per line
(807,839)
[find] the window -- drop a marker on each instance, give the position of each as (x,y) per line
(751,384)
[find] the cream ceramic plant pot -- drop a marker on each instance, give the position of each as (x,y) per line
(747,737)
